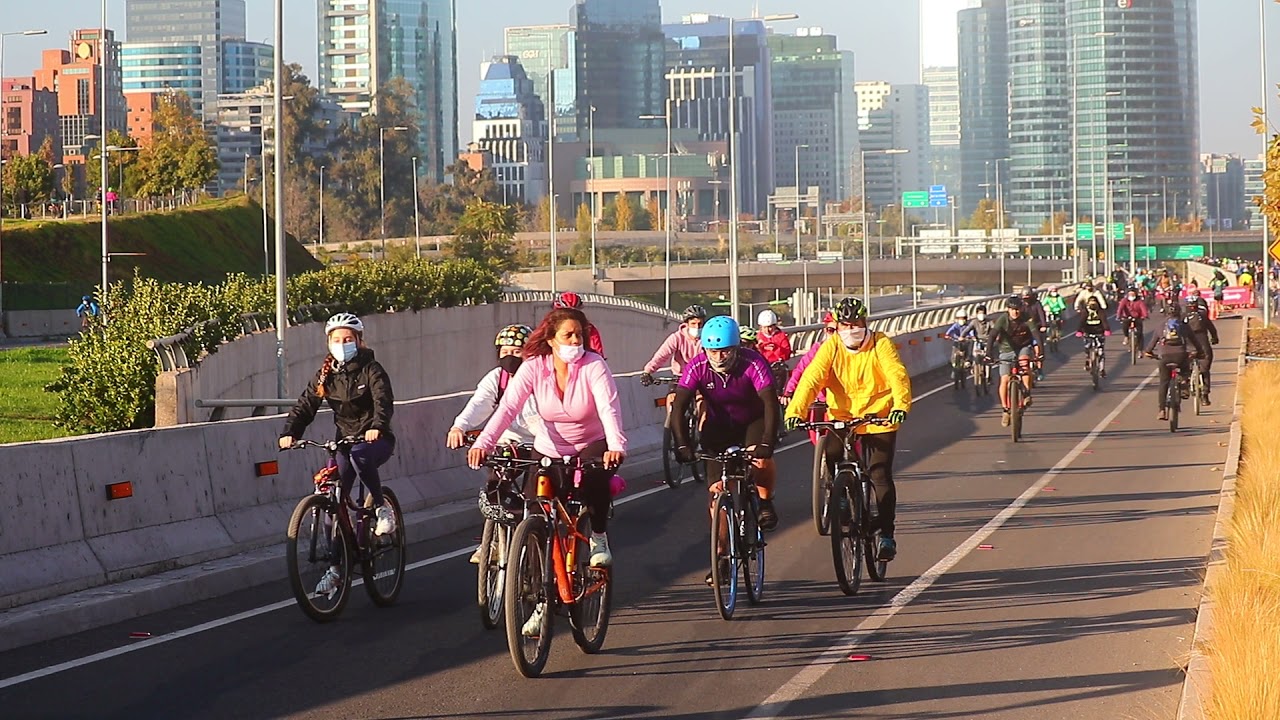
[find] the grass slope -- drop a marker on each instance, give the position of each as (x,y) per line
(200,243)
(26,409)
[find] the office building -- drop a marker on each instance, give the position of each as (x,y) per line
(1037,177)
(698,85)
(944,127)
(74,76)
(984,99)
(168,37)
(510,125)
(814,104)
(894,117)
(241,119)
(364,44)
(549,51)
(1223,193)
(165,67)
(246,65)
(619,55)
(1254,188)
(142,107)
(29,118)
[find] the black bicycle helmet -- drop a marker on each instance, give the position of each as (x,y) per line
(851,309)
(1028,292)
(1014,303)
(695,311)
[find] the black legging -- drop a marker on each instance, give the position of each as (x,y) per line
(879,449)
(1206,362)
(595,492)
(1182,360)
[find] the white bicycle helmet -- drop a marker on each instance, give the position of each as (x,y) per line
(768,318)
(344,320)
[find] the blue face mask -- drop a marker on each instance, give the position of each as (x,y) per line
(343,351)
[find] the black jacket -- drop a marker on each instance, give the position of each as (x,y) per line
(358,392)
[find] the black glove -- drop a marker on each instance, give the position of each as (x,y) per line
(684,454)
(646,379)
(897,417)
(792,422)
(1213,341)
(762,452)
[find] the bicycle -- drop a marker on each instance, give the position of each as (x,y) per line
(981,370)
(1198,391)
(855,535)
(1094,359)
(1017,394)
(502,505)
(323,538)
(821,480)
(1134,340)
(672,469)
(958,359)
(1055,332)
(735,522)
(550,554)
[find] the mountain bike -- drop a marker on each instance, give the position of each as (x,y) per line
(550,571)
(1198,391)
(328,533)
(1094,359)
(1134,339)
(736,538)
(502,504)
(959,357)
(1055,332)
(981,370)
(1017,395)
(855,525)
(672,469)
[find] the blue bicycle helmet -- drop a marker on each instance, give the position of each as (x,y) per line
(721,333)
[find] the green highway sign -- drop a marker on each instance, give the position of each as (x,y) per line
(1084,232)
(1188,252)
(915,199)
(1117,231)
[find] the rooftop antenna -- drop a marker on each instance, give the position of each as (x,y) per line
(755,9)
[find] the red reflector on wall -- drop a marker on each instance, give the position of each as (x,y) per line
(119,491)
(660,402)
(270,467)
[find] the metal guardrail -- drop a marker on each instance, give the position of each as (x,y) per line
(547,297)
(898,322)
(259,406)
(172,351)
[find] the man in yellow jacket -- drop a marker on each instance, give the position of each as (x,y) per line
(863,375)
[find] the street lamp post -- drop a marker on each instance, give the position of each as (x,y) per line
(104,177)
(796,218)
(320,241)
(1000,222)
(382,184)
(666,292)
(591,186)
(3,35)
(1265,275)
(866,250)
(417,229)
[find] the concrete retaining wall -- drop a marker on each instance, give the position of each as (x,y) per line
(41,323)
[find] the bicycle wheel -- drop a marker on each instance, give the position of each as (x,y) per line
(528,589)
(589,616)
(1015,407)
(1197,389)
(725,586)
(1174,403)
(821,489)
(697,469)
(317,543)
(752,544)
(1095,371)
(489,575)
(1135,346)
(672,470)
(384,556)
(877,570)
(847,539)
(957,373)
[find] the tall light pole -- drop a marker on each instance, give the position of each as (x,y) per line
(382,183)
(796,217)
(1000,222)
(417,228)
(591,186)
(666,293)
(551,165)
(277,103)
(320,241)
(1266,223)
(1146,226)
(102,175)
(866,250)
(3,35)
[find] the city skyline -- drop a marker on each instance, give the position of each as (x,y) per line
(1229,86)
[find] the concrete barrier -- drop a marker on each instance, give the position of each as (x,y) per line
(41,323)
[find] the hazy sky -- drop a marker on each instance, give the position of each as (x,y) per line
(883,34)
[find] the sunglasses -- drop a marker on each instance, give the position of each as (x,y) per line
(828,330)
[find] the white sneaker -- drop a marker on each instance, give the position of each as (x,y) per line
(329,583)
(386,520)
(600,555)
(533,626)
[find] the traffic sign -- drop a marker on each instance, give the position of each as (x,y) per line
(1084,232)
(1117,231)
(938,196)
(915,199)
(1274,250)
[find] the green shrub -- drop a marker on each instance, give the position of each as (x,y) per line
(109,381)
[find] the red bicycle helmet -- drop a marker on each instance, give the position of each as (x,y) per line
(567,300)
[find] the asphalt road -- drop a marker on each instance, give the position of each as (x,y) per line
(1056,578)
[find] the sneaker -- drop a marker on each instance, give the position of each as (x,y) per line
(386,520)
(768,515)
(329,583)
(1026,402)
(600,555)
(1164,415)
(532,627)
(725,569)
(1004,419)
(1206,400)
(1103,372)
(888,549)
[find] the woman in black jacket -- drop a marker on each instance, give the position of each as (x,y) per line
(358,390)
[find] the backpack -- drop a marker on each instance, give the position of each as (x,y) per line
(1093,316)
(1196,321)
(504,377)
(1173,332)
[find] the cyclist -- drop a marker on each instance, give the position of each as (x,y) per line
(828,330)
(1013,339)
(863,375)
(1093,322)
(358,390)
(1034,312)
(750,338)
(774,344)
(981,326)
(1054,306)
(574,301)
(1132,311)
(1206,333)
(509,342)
(1218,284)
(1119,279)
(961,335)
(1087,291)
(1177,346)
(679,347)
(87,310)
(740,403)
(580,413)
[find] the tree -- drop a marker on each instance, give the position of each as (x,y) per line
(28,179)
(1053,225)
(654,210)
(624,217)
(180,156)
(984,216)
(583,221)
(542,217)
(122,167)
(484,234)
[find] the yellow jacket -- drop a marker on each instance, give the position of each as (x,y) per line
(870,382)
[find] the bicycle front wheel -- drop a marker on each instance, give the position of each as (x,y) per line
(526,599)
(724,575)
(1197,391)
(847,540)
(1015,408)
(489,575)
(1135,347)
(821,490)
(752,544)
(672,469)
(1174,402)
(876,569)
(384,556)
(593,588)
(318,551)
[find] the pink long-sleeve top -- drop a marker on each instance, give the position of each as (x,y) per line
(678,349)
(588,410)
(794,381)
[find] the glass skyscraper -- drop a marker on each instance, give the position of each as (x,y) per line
(620,59)
(158,28)
(543,49)
(1038,174)
(984,99)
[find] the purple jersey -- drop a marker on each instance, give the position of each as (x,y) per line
(733,398)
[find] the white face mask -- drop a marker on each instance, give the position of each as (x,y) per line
(693,332)
(982,316)
(570,353)
(342,351)
(853,337)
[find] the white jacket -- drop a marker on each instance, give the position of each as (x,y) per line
(485,400)
(1082,298)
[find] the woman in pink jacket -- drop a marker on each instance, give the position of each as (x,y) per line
(578,403)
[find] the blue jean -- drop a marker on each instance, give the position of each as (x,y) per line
(364,459)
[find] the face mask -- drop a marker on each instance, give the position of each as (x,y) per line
(853,337)
(570,353)
(723,367)
(693,332)
(510,363)
(982,316)
(342,351)
(1133,297)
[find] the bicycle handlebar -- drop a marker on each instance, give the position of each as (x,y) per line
(331,445)
(843,424)
(659,379)
(728,454)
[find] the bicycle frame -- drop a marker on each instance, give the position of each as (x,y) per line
(563,535)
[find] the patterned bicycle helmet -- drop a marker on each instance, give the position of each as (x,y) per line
(567,300)
(512,336)
(851,309)
(695,311)
(344,320)
(721,333)
(748,334)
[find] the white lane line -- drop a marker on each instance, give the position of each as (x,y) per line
(776,704)
(214,624)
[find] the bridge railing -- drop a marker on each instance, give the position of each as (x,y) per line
(899,322)
(588,299)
